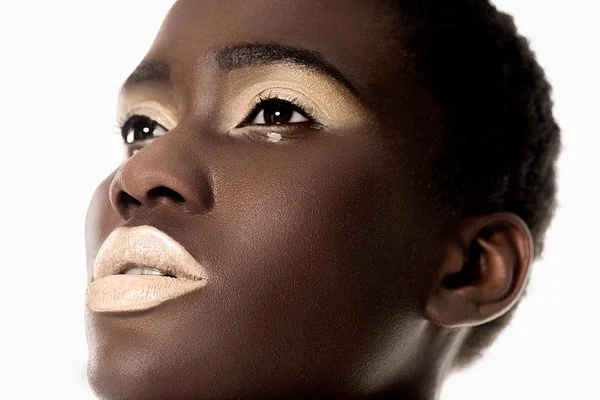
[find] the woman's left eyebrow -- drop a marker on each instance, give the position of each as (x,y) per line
(244,55)
(249,54)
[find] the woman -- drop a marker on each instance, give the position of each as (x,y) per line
(334,199)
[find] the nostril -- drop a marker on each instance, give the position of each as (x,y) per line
(162,191)
(128,203)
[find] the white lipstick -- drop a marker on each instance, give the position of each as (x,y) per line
(139,268)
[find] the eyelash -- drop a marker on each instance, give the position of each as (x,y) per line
(123,120)
(306,111)
(128,118)
(259,105)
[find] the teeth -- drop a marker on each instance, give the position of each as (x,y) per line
(143,271)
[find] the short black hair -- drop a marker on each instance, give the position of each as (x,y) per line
(501,142)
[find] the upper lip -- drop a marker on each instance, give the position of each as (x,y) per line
(145,246)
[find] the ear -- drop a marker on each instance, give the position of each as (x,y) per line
(483,271)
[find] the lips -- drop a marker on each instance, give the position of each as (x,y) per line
(140,268)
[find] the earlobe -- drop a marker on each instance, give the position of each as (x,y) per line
(483,271)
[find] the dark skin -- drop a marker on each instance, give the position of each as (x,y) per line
(328,263)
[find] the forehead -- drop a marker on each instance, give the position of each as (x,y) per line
(359,37)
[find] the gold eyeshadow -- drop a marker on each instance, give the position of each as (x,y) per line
(148,101)
(330,103)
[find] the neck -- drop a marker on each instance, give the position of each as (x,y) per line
(425,378)
(426,389)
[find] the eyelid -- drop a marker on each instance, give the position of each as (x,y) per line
(334,106)
(292,96)
(151,109)
(305,109)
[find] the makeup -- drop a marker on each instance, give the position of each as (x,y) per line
(329,102)
(140,268)
(148,100)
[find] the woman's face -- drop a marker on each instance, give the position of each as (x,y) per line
(293,167)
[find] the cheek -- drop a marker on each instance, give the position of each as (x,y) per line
(325,198)
(324,229)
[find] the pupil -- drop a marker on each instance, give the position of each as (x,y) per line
(278,112)
(139,128)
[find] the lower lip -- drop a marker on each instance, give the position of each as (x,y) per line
(123,293)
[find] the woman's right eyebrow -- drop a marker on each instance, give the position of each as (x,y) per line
(149,71)
(244,55)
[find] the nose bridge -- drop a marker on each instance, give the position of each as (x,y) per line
(162,171)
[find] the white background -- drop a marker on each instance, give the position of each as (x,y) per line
(61,64)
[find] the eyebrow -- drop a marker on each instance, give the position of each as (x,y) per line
(248,54)
(149,71)
(244,55)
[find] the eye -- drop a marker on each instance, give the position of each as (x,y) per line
(275,111)
(140,127)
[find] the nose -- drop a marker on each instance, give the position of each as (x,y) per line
(159,174)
